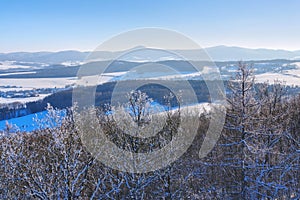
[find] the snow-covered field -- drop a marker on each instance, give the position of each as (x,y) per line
(97,80)
(272,77)
(17,73)
(294,72)
(71,63)
(8,65)
(166,74)
(37,82)
(11,65)
(193,110)
(22,100)
(289,77)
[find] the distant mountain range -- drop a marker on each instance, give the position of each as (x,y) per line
(225,53)
(44,57)
(217,53)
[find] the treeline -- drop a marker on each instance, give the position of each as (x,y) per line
(103,95)
(12,110)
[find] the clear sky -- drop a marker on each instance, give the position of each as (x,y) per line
(54,25)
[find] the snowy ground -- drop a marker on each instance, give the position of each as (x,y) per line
(30,122)
(39,83)
(17,73)
(11,65)
(32,83)
(26,123)
(22,100)
(272,77)
(35,83)
(290,77)
(97,80)
(164,74)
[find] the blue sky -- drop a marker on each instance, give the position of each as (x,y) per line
(53,25)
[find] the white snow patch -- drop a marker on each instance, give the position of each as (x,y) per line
(17,73)
(11,65)
(72,63)
(289,79)
(34,83)
(98,79)
(22,100)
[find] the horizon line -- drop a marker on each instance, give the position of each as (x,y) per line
(206,47)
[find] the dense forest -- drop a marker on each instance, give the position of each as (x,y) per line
(103,95)
(256,157)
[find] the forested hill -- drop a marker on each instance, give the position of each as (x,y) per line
(63,99)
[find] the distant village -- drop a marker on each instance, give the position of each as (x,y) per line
(19,93)
(17,108)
